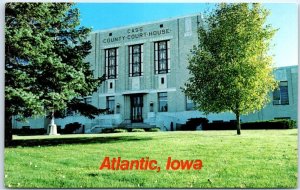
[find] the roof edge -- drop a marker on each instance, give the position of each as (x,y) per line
(145,23)
(287,66)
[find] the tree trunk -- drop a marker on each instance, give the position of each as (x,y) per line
(238,124)
(8,129)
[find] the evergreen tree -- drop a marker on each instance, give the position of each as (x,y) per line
(44,60)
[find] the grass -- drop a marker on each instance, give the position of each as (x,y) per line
(256,159)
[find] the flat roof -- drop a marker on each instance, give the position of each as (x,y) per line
(145,23)
(285,67)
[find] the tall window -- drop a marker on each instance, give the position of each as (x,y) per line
(162,57)
(281,95)
(135,60)
(110,104)
(162,102)
(190,105)
(111,63)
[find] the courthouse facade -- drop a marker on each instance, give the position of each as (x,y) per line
(146,66)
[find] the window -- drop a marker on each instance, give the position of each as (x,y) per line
(190,105)
(281,95)
(110,104)
(135,60)
(111,63)
(161,57)
(162,102)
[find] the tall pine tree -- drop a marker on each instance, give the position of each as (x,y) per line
(44,60)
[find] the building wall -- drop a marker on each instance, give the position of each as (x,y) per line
(181,32)
(181,41)
(271,111)
(182,35)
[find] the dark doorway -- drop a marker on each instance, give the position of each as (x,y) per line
(136,108)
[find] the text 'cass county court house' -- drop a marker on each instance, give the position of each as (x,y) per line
(146,66)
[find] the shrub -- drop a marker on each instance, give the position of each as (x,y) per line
(107,130)
(138,130)
(59,130)
(120,130)
(71,127)
(154,129)
(193,123)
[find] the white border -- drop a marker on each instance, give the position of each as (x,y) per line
(2,48)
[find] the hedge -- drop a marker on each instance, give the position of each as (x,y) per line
(228,125)
(27,131)
(71,127)
(271,124)
(193,123)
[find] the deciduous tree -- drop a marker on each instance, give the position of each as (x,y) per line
(231,68)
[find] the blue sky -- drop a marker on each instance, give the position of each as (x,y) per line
(110,15)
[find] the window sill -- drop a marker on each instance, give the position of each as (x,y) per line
(136,76)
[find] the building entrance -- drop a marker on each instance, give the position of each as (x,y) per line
(136,108)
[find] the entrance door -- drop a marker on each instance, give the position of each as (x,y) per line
(137,108)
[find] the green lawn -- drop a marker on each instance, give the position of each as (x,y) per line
(256,159)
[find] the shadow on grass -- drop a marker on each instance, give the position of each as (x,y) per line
(77,140)
(93,174)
